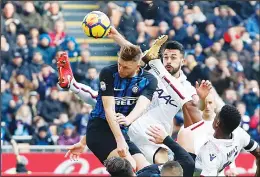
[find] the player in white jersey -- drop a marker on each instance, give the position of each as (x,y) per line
(169,98)
(225,145)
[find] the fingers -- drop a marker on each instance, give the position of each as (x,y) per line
(197,84)
(67,154)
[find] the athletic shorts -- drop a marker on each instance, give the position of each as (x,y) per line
(137,134)
(101,141)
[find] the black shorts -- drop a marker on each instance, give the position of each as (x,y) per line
(101,141)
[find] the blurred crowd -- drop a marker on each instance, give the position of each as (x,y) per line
(221,41)
(33,35)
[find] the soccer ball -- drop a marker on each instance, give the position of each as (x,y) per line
(96,24)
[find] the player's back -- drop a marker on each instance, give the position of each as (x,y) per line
(216,154)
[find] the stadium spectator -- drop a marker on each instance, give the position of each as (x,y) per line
(143,37)
(255,134)
(21,125)
(82,66)
(163,28)
(72,47)
(52,15)
(225,18)
(42,137)
(37,63)
(45,49)
(34,104)
(5,51)
(251,97)
(243,55)
(6,98)
(191,39)
(198,53)
(172,11)
(245,119)
(234,63)
(29,17)
(24,49)
(81,119)
(178,33)
(9,14)
(33,37)
(69,136)
(58,34)
(255,119)
(197,71)
(47,79)
(216,51)
(14,67)
(129,21)
(93,80)
(221,77)
(210,36)
(253,24)
(51,107)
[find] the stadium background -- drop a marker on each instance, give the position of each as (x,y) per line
(221,41)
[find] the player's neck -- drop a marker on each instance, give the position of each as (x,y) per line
(177,74)
(221,135)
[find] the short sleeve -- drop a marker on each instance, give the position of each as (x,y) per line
(151,87)
(106,82)
(247,143)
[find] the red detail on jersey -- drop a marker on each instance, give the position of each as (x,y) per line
(177,91)
(197,126)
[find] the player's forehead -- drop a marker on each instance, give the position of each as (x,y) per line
(171,52)
(124,63)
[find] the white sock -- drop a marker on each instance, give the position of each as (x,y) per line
(83,91)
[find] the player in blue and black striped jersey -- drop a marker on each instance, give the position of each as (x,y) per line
(125,92)
(123,87)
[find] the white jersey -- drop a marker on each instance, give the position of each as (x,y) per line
(160,112)
(216,154)
(163,106)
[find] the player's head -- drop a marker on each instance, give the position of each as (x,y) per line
(129,60)
(210,106)
(172,56)
(227,120)
(117,166)
(172,168)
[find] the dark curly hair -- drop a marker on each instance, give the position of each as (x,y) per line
(230,118)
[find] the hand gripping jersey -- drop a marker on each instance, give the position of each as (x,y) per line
(216,154)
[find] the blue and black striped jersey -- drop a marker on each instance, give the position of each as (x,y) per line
(125,90)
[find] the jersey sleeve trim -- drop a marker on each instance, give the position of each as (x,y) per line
(251,146)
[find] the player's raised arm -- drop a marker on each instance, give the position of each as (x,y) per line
(107,94)
(119,39)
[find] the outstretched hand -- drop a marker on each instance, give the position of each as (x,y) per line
(203,88)
(75,150)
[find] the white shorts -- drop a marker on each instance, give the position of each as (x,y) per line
(137,135)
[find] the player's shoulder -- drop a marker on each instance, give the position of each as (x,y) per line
(109,69)
(149,76)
